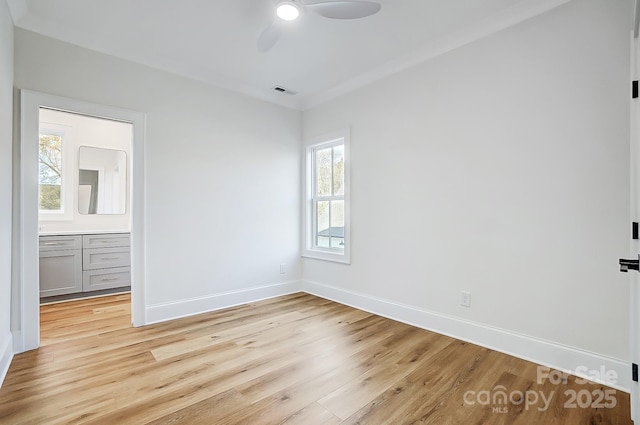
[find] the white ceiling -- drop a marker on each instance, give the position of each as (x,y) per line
(319,58)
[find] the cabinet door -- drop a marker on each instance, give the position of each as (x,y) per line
(60,272)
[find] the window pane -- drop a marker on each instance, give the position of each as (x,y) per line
(338,170)
(337,224)
(50,171)
(323,172)
(323,233)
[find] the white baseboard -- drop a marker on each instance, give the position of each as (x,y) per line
(6,355)
(189,307)
(546,353)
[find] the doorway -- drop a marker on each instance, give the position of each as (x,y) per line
(84,204)
(26,285)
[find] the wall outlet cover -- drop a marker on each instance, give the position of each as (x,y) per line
(465,298)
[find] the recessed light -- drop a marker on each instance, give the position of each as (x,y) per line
(288,10)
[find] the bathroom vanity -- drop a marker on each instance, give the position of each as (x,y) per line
(83,263)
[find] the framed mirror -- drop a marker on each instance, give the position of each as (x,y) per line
(102,181)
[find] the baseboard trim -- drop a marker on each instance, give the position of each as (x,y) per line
(6,355)
(190,307)
(546,353)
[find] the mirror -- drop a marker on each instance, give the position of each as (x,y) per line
(102,181)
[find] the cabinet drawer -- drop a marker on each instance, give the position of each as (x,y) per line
(105,240)
(95,280)
(57,243)
(102,258)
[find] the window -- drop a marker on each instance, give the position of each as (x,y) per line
(56,170)
(51,179)
(327,200)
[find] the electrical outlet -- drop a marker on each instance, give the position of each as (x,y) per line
(283,268)
(465,298)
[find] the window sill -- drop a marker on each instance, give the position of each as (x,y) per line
(326,256)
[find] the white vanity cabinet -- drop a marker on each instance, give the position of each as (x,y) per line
(84,263)
(60,265)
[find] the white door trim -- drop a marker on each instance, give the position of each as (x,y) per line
(634,278)
(26,298)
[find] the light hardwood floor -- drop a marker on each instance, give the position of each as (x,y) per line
(296,359)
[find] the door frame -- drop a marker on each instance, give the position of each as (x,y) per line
(634,168)
(25,296)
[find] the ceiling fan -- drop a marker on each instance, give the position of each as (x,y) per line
(290,10)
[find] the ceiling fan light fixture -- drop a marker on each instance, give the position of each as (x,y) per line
(288,10)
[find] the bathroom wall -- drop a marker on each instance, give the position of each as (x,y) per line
(81,131)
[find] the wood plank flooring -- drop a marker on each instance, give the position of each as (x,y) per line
(296,359)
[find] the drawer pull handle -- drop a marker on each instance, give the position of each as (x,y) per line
(109,279)
(52,243)
(108,258)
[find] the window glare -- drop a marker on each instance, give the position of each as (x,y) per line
(323,172)
(322,224)
(338,170)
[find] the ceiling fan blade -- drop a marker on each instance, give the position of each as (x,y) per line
(343,9)
(269,37)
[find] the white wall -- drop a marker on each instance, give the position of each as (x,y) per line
(222,173)
(500,168)
(80,130)
(6,143)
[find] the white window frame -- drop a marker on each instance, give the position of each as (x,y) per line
(309,249)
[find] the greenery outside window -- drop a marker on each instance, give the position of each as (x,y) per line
(56,172)
(50,164)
